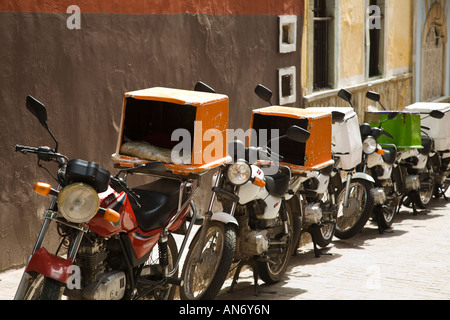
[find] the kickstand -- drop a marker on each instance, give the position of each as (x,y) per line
(317,251)
(441,191)
(254,267)
(415,211)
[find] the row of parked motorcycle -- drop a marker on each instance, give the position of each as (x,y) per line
(118,242)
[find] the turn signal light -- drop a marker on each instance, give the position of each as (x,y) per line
(42,188)
(259,182)
(111,215)
(381,152)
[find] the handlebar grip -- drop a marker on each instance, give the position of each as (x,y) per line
(25,149)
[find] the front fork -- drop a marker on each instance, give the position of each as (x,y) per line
(36,262)
(347,189)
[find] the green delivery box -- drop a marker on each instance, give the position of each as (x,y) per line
(405,128)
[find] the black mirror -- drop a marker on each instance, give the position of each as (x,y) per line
(203,87)
(337,116)
(437,114)
(264,93)
(345,95)
(37,108)
(365,129)
(392,115)
(298,134)
(374,96)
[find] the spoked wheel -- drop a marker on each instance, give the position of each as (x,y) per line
(426,191)
(273,269)
(43,288)
(384,214)
(353,218)
(203,277)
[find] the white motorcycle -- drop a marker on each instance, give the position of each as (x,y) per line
(256,226)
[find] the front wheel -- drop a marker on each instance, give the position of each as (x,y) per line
(353,217)
(43,288)
(203,277)
(273,269)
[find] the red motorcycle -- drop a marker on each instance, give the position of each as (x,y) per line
(116,242)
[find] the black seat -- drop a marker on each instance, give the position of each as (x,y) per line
(390,154)
(158,201)
(278,184)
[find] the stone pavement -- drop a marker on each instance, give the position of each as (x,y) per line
(410,263)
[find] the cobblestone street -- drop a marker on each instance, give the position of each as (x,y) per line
(409,263)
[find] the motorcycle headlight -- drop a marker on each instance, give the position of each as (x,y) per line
(78,202)
(369,145)
(239,173)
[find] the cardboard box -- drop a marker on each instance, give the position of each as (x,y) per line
(405,128)
(187,130)
(346,137)
(439,128)
(315,154)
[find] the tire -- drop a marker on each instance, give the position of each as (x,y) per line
(361,204)
(323,235)
(384,215)
(36,289)
(204,279)
(423,197)
(52,289)
(271,272)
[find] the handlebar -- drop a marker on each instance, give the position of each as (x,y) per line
(44,153)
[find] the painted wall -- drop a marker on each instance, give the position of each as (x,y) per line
(400,26)
(82,74)
(352,23)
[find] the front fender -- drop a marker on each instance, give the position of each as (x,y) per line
(224,218)
(363,176)
(49,265)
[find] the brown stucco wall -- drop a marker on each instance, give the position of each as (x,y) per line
(81,76)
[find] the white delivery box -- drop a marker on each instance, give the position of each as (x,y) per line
(439,128)
(346,137)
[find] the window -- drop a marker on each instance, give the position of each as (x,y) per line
(288,34)
(287,85)
(375,38)
(322,25)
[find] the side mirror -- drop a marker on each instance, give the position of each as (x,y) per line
(37,108)
(392,115)
(337,116)
(437,114)
(345,95)
(298,134)
(264,93)
(374,96)
(203,87)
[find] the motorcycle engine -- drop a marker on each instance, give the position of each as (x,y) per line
(412,182)
(256,243)
(313,213)
(98,282)
(110,286)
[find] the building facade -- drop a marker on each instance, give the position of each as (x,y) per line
(396,47)
(80,57)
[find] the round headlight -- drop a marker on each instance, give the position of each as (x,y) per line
(239,173)
(369,145)
(78,202)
